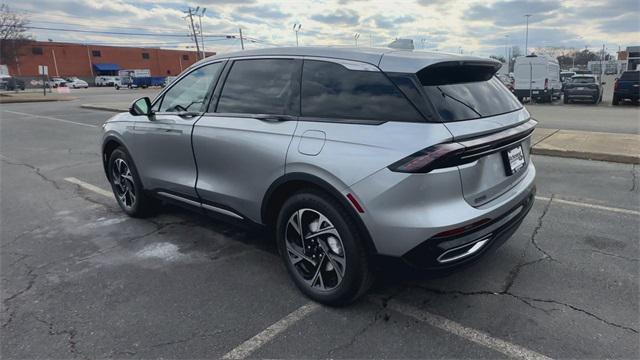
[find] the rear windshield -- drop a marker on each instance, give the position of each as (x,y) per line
(583,80)
(466,92)
(630,75)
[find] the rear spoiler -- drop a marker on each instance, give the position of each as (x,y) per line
(452,72)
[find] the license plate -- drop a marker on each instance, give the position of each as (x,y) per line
(580,88)
(514,160)
(535,92)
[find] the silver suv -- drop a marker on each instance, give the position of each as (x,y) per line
(347,154)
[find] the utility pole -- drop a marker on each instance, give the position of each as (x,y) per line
(356,37)
(190,12)
(370,40)
(241,39)
(202,31)
(296,28)
(526,37)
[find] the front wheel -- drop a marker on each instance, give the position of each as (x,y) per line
(127,187)
(322,249)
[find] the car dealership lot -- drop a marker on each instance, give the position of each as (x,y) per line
(80,279)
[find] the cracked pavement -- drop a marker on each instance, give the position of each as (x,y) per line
(81,280)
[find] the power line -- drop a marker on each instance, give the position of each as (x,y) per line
(117,33)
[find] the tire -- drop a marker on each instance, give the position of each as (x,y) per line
(130,195)
(565,99)
(319,279)
(615,100)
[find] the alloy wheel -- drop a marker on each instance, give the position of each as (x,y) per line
(123,183)
(315,249)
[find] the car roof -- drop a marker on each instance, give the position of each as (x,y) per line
(387,59)
(584,76)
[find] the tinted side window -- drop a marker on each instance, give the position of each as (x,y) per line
(330,90)
(260,86)
(191,92)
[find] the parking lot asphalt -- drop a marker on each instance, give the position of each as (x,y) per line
(80,279)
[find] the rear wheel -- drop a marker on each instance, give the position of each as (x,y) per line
(615,101)
(566,99)
(322,249)
(127,187)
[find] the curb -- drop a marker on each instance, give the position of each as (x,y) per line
(585,155)
(103,108)
(11,100)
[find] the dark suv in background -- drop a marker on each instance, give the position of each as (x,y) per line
(583,87)
(627,87)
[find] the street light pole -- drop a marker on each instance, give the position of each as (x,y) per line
(296,28)
(526,37)
(356,37)
(506,44)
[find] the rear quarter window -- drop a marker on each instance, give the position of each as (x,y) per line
(332,91)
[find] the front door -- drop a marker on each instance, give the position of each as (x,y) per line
(162,141)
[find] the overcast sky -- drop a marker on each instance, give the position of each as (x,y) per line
(478,27)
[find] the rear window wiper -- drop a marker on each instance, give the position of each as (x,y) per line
(444,93)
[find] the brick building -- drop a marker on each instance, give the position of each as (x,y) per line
(89,61)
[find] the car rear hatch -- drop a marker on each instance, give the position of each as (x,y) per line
(486,120)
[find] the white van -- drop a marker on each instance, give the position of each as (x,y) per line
(538,77)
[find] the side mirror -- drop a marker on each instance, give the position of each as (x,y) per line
(141,106)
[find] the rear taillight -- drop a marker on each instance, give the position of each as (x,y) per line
(616,85)
(546,84)
(423,161)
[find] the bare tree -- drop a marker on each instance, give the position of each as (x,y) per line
(13,36)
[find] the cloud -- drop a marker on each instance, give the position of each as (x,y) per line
(628,23)
(509,13)
(386,22)
(339,17)
(263,11)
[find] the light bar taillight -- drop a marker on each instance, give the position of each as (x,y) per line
(423,161)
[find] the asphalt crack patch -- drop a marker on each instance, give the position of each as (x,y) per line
(526,300)
(33,168)
(70,333)
(513,274)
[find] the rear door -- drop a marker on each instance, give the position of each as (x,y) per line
(482,114)
(240,144)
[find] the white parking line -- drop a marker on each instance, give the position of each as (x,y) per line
(590,206)
(476,336)
(246,348)
(51,118)
(89,187)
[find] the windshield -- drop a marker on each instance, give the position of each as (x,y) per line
(583,80)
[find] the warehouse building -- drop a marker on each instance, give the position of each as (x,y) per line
(88,61)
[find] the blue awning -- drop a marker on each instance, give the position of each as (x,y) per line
(106,67)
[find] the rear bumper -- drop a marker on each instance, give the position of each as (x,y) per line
(581,94)
(404,212)
(445,253)
(536,93)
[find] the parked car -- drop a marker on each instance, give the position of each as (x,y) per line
(75,83)
(346,154)
(537,77)
(56,82)
(565,77)
(627,87)
(583,87)
(106,80)
(8,82)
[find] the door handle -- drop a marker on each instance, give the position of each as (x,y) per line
(274,118)
(188,114)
